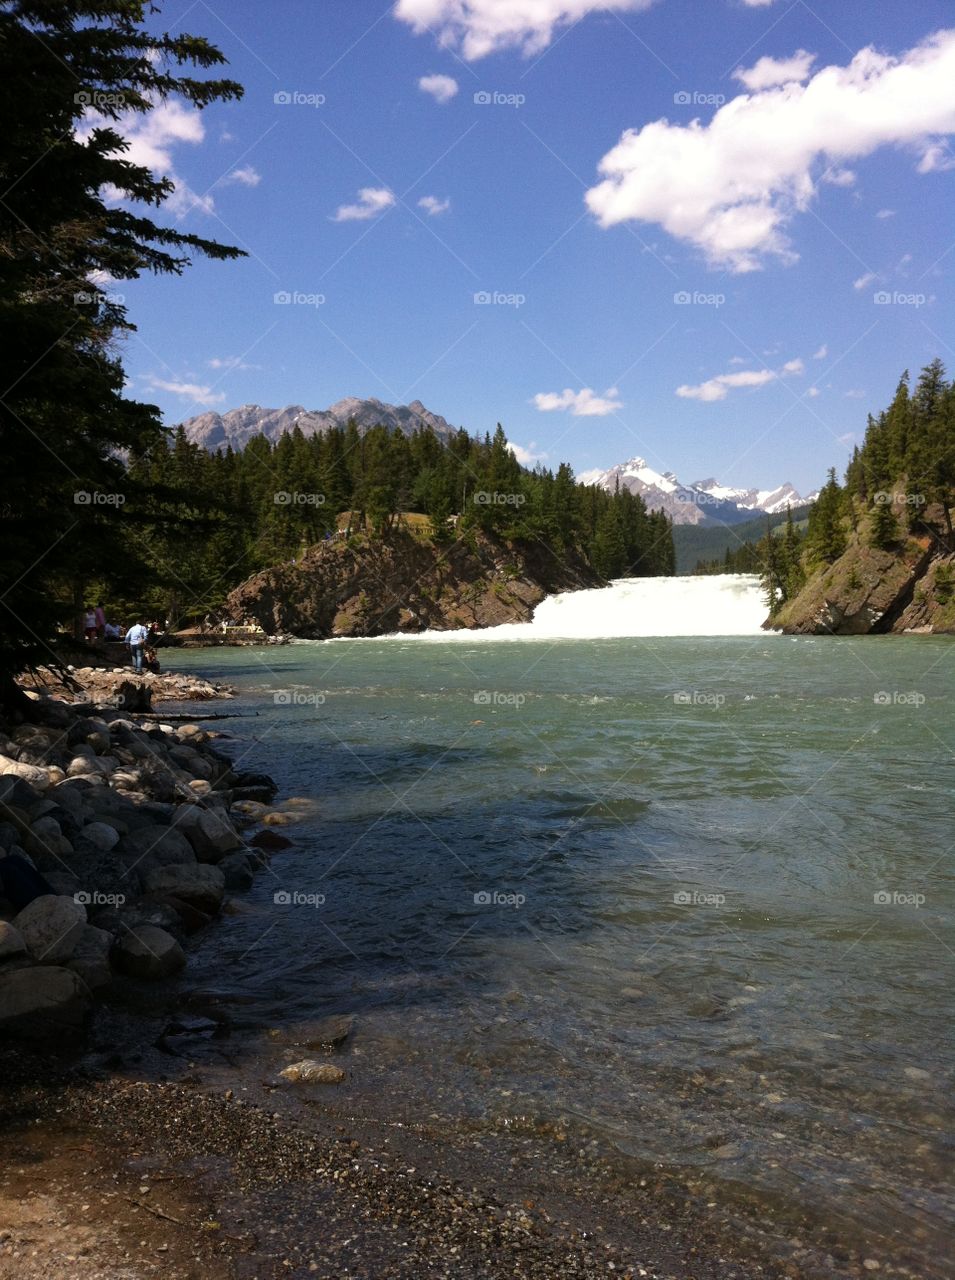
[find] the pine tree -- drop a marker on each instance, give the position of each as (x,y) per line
(64,423)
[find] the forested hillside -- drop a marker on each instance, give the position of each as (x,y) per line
(216,518)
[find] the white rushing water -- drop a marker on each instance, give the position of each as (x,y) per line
(726,605)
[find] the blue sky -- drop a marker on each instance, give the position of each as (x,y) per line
(728,298)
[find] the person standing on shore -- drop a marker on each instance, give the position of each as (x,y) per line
(136,640)
(99,614)
(89,625)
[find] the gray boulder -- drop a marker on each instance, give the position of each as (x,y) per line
(37,777)
(238,870)
(148,952)
(51,926)
(91,958)
(199,885)
(42,1002)
(210,834)
(154,846)
(11,941)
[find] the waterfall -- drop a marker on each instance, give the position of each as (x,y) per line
(724,605)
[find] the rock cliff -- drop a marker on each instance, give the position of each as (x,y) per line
(364,587)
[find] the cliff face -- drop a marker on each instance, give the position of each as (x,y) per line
(868,592)
(372,588)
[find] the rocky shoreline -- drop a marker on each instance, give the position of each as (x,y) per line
(120,837)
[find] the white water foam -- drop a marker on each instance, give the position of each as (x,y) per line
(724,605)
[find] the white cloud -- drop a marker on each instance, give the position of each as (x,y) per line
(247,176)
(863,281)
(441,88)
(737,360)
(529,456)
(794,366)
(229,363)
(371,201)
(732,187)
(821,353)
(758,4)
(772,71)
(479,27)
(433,206)
(813,392)
(582,404)
(885,213)
(938,158)
(151,139)
(855,394)
(717,388)
(838,177)
(188,390)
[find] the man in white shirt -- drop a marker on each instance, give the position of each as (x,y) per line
(136,639)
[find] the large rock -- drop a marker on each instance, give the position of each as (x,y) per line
(155,846)
(238,870)
(91,958)
(101,836)
(42,1002)
(11,942)
(148,952)
(210,834)
(200,885)
(51,927)
(36,776)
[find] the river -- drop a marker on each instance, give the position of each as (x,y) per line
(639,871)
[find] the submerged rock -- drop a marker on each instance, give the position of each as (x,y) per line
(310,1071)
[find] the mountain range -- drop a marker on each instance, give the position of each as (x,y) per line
(704,502)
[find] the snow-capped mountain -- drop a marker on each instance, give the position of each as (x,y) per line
(705,502)
(238,426)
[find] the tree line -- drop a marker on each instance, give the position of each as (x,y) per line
(212,519)
(899,482)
